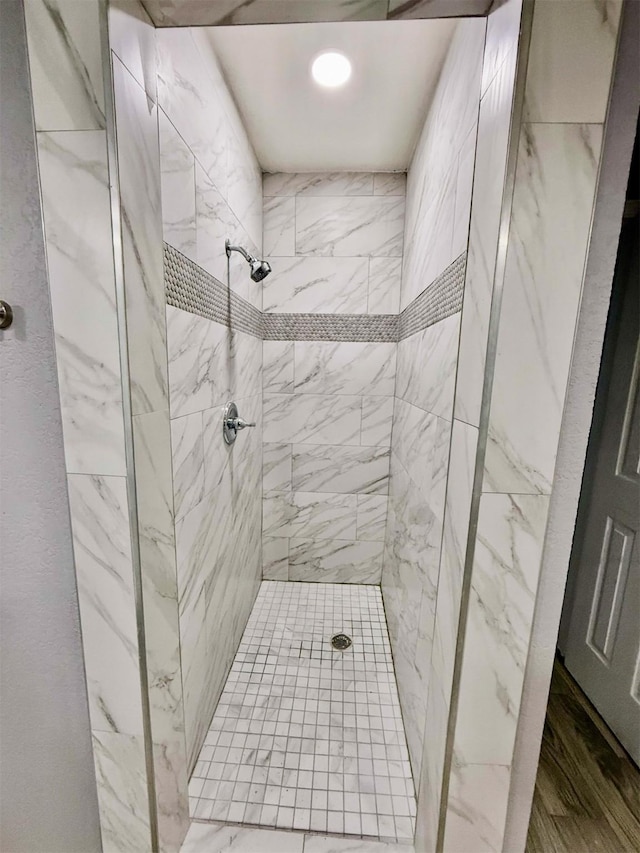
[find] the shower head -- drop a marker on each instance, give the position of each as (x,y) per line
(259,269)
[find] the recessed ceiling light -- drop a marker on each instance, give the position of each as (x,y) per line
(331,69)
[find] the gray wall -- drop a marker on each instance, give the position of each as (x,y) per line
(47,795)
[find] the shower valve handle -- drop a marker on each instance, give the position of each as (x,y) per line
(239,423)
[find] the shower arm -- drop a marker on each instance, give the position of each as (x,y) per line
(229,248)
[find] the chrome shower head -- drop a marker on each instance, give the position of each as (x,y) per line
(259,269)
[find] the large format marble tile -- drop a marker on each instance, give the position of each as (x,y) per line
(427,367)
(219,838)
(325,844)
(188,92)
(477,808)
(503,589)
(503,30)
(385,276)
(372,517)
(275,559)
(312,418)
(214,224)
(139,173)
(316,285)
(342,368)
(277,366)
(433,175)
(177,174)
(123,798)
(276,467)
(65,60)
(543,281)
(462,206)
(73,174)
(341,469)
(377,421)
(152,448)
(309,515)
(102,550)
(279,226)
(244,184)
(335,560)
(390,183)
(491,160)
(132,37)
(318,184)
(188,462)
(573,44)
(350,226)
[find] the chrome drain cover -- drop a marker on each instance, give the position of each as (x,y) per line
(340,642)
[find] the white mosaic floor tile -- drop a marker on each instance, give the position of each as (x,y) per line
(306,737)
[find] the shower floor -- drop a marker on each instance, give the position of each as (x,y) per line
(304,736)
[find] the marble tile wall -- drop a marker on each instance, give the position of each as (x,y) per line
(334,242)
(437,221)
(133,44)
(66,63)
(559,143)
(211,190)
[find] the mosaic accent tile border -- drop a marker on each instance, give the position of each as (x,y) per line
(330,327)
(441,299)
(192,289)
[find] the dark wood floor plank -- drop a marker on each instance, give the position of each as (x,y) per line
(587,796)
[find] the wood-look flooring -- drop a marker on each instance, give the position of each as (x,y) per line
(587,795)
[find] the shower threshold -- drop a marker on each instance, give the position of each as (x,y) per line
(306,736)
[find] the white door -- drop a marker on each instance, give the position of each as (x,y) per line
(603,642)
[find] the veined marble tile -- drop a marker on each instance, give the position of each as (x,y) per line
(344,368)
(200,12)
(277,366)
(427,367)
(491,161)
(503,29)
(309,515)
(213,227)
(139,172)
(188,462)
(311,419)
(215,838)
(372,517)
(177,173)
(390,183)
(316,285)
(464,439)
(335,560)
(275,559)
(279,226)
(503,588)
(239,277)
(421,442)
(385,278)
(102,549)
(244,185)
(151,434)
(347,227)
(276,461)
(341,469)
(65,63)
(132,37)
(429,783)
(432,178)
(318,184)
(73,174)
(325,844)
(122,791)
(543,281)
(187,94)
(477,807)
(377,421)
(573,45)
(464,181)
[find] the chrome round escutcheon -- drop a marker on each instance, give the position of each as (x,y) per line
(232,423)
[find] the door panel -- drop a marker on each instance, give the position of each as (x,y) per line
(603,644)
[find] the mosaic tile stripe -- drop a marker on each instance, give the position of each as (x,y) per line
(330,327)
(441,299)
(192,289)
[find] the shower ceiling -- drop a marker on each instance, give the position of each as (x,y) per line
(369,124)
